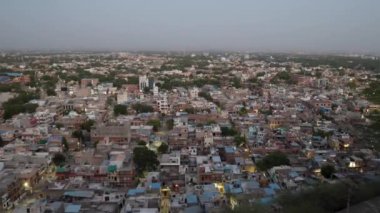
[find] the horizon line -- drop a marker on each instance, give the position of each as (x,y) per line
(111,50)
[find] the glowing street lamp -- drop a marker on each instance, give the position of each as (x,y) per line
(26,184)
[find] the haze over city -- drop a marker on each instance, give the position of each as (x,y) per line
(169,106)
(323,26)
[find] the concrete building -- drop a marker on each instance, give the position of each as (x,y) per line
(122,97)
(162,103)
(143,82)
(89,82)
(193,92)
(118,133)
(155,90)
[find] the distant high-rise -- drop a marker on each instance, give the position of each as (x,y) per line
(155,90)
(143,82)
(151,83)
(162,103)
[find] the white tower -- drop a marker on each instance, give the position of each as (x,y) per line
(143,82)
(155,90)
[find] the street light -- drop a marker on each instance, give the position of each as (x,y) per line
(26,184)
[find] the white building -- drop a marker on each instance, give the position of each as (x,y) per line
(162,103)
(155,90)
(122,97)
(44,117)
(143,82)
(208,140)
(193,92)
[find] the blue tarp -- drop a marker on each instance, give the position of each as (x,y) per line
(4,79)
(209,188)
(191,199)
(252,184)
(230,188)
(216,159)
(3,131)
(14,74)
(55,138)
(274,186)
(133,192)
(207,197)
(229,149)
(266,200)
(269,192)
(293,174)
(72,208)
(155,186)
(111,168)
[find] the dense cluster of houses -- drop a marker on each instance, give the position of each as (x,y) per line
(214,144)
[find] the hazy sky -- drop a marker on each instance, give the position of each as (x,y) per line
(246,25)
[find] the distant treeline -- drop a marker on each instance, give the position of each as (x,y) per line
(332,61)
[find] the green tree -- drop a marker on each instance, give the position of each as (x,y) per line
(142,108)
(271,160)
(110,101)
(163,148)
(51,92)
(120,109)
(144,159)
(19,104)
(133,80)
(47,78)
(205,96)
(170,124)
(96,144)
(327,170)
(266,112)
(253,80)
(119,82)
(59,159)
(77,134)
(65,144)
(30,108)
(146,90)
(155,123)
(226,131)
(259,74)
(352,85)
(243,111)
(58,125)
(373,92)
(329,197)
(240,140)
(283,76)
(141,143)
(210,122)
(190,110)
(87,125)
(13,87)
(323,134)
(236,82)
